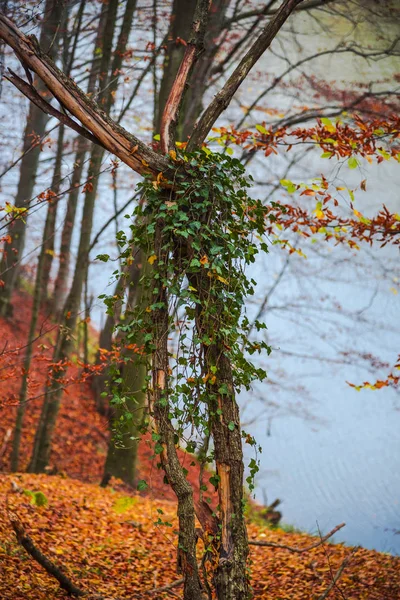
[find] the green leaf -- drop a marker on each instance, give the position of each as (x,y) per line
(231,426)
(142,485)
(195,263)
(352,162)
(289,185)
(328,124)
(123,504)
(262,129)
(157,137)
(158,448)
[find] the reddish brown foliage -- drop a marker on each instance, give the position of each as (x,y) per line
(81,437)
(108,544)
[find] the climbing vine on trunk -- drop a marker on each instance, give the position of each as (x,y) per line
(199,229)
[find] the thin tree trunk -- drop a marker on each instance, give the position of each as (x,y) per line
(61,281)
(48,242)
(187,561)
(38,296)
(54,388)
(126,420)
(68,56)
(35,128)
(231,575)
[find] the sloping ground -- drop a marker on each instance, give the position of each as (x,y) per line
(108,544)
(81,436)
(106,539)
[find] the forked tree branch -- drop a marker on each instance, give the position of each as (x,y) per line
(132,151)
(222,99)
(192,52)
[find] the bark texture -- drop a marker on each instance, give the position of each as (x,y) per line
(34,131)
(44,434)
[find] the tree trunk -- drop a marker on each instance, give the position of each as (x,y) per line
(187,560)
(48,242)
(34,131)
(38,296)
(181,23)
(231,577)
(54,387)
(61,282)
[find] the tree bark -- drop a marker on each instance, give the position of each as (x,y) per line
(61,281)
(34,130)
(187,562)
(230,577)
(38,296)
(47,422)
(47,248)
(126,420)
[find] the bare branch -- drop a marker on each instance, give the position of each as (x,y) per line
(26,541)
(112,136)
(266,11)
(30,92)
(298,550)
(165,588)
(222,100)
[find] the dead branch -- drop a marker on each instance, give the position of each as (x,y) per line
(298,550)
(112,136)
(26,542)
(337,576)
(30,92)
(175,98)
(165,588)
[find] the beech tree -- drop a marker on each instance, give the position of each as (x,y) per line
(35,128)
(195,227)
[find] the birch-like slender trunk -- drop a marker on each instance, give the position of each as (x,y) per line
(54,388)
(37,300)
(34,131)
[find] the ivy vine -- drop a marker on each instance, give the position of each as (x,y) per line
(211,231)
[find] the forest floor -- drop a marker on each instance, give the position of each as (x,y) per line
(121,543)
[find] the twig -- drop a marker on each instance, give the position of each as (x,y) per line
(337,575)
(167,587)
(298,550)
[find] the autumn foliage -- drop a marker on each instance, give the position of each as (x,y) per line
(121,543)
(115,544)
